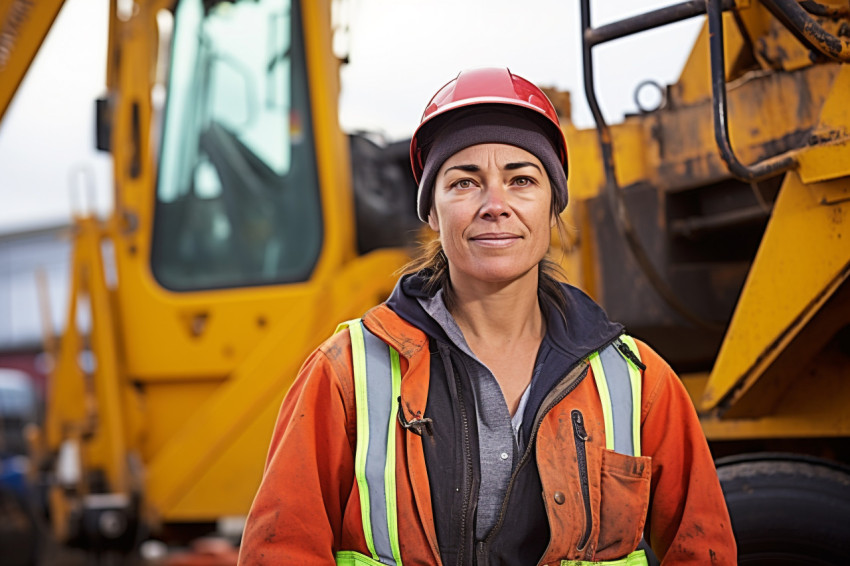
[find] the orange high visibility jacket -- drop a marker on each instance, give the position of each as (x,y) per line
(307,507)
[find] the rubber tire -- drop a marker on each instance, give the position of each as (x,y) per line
(788,512)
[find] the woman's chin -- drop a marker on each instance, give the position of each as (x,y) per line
(493,273)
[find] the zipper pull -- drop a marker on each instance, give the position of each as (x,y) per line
(627,352)
(578,425)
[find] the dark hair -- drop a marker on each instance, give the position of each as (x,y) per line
(432,264)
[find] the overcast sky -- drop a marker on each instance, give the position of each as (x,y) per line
(400,52)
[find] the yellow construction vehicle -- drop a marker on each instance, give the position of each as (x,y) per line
(247,225)
(235,251)
(716,227)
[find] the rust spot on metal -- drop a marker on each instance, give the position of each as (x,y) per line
(824,137)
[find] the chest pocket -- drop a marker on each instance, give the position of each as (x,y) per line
(624,474)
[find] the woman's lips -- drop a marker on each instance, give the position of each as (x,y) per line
(495,239)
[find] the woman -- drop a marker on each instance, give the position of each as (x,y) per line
(529,430)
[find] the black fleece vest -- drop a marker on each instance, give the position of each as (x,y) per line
(451,457)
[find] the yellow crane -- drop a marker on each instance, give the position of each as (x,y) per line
(246,225)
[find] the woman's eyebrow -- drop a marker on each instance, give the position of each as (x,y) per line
(468,168)
(520,165)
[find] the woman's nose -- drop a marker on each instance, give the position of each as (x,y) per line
(495,203)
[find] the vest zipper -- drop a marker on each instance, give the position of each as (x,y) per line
(564,388)
(581,461)
(467,487)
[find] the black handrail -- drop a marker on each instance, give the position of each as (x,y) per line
(613,193)
(816,9)
(796,18)
(793,15)
(757,171)
(647,21)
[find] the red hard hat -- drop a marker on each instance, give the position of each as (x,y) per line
(486,86)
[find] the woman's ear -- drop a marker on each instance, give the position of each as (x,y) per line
(433,221)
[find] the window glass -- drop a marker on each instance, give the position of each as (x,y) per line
(237,192)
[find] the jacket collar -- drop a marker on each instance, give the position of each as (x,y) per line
(585,328)
(412,344)
(407,338)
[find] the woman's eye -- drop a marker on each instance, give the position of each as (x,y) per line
(522,181)
(462,184)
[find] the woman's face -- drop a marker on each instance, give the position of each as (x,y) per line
(492,209)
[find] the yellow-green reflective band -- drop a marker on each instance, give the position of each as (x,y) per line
(636,558)
(389,481)
(604,398)
(351,558)
(377,385)
(635,378)
(618,381)
(361,396)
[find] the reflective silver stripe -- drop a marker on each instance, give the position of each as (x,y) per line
(618,381)
(379,383)
(616,371)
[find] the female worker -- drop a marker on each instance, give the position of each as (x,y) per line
(487,414)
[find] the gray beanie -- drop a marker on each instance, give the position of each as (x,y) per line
(490,126)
